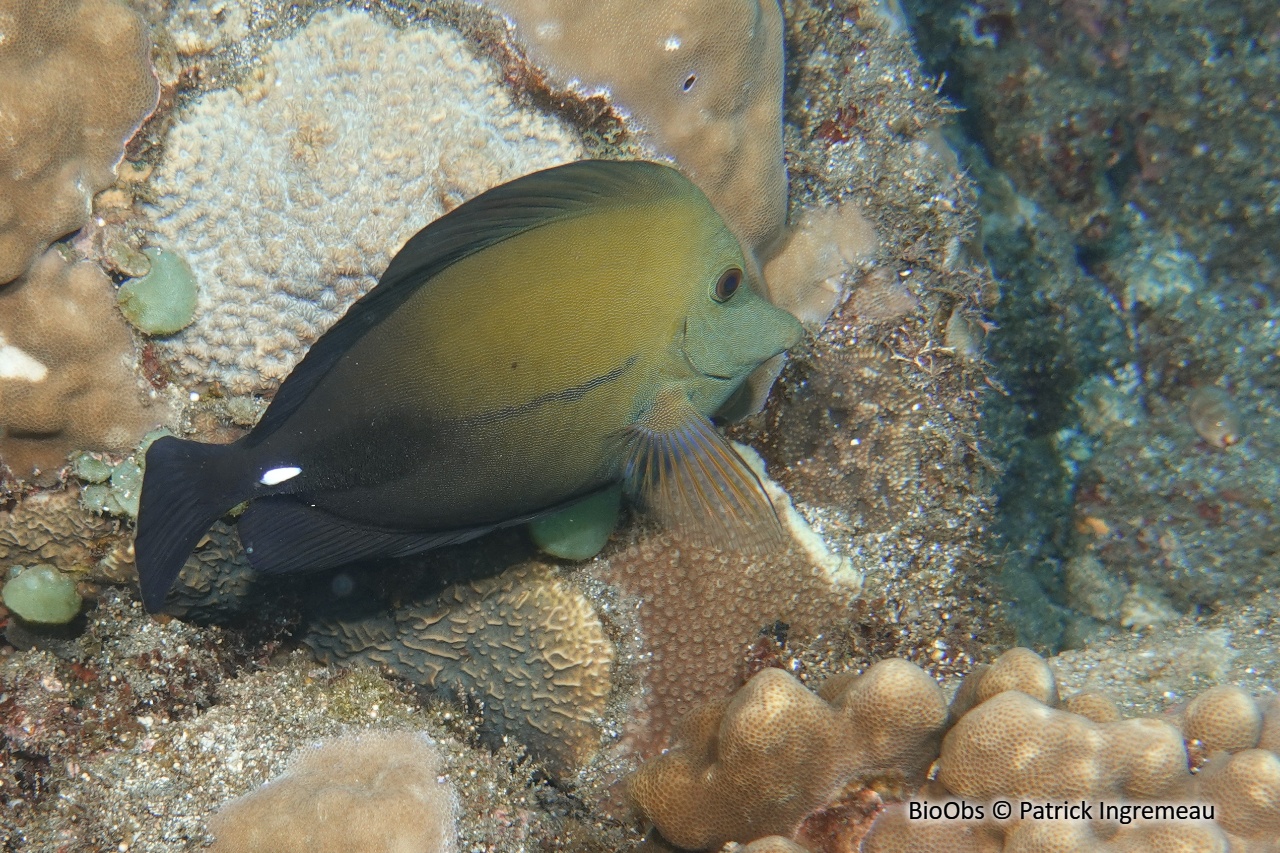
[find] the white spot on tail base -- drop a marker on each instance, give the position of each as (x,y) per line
(276,476)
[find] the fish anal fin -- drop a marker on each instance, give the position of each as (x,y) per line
(283,534)
(680,468)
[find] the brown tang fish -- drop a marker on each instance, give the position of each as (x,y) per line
(553,336)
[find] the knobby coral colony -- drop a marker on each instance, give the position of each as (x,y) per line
(777,759)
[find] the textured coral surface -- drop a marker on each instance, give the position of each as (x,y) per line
(289,197)
(68,379)
(526,644)
(378,790)
(703,80)
(757,764)
(75,83)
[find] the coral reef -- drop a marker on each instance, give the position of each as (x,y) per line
(50,527)
(777,759)
(755,765)
(75,83)
(1128,217)
(67,370)
(699,610)
(1067,757)
(703,84)
(527,644)
(374,790)
(134,733)
(289,198)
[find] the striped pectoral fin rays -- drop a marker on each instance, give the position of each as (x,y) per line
(680,468)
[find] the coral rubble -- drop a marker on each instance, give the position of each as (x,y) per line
(75,83)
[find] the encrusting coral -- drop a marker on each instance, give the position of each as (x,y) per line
(288,198)
(75,83)
(67,375)
(526,643)
(755,765)
(374,790)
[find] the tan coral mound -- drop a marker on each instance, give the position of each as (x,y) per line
(75,83)
(1223,718)
(704,79)
(363,792)
(1009,745)
(67,376)
(699,611)
(756,764)
(1245,787)
(526,643)
(1060,754)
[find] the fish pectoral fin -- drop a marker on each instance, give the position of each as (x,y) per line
(283,534)
(680,468)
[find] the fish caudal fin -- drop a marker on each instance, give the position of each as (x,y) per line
(685,472)
(186,488)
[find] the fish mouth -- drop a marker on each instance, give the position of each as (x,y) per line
(684,351)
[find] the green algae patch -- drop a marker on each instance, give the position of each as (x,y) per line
(164,300)
(580,531)
(41,595)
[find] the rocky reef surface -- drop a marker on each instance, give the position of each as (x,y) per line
(1077,457)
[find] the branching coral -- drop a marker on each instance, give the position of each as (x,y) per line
(75,83)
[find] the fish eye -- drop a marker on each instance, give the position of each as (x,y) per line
(728,284)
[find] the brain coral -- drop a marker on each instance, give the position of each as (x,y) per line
(67,377)
(755,765)
(75,83)
(361,792)
(526,643)
(288,200)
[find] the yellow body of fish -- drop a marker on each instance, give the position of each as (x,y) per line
(560,333)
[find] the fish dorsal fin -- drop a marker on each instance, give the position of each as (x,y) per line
(537,199)
(679,467)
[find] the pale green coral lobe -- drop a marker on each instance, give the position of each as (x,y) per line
(164,300)
(580,531)
(41,595)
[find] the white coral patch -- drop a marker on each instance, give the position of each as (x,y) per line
(17,364)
